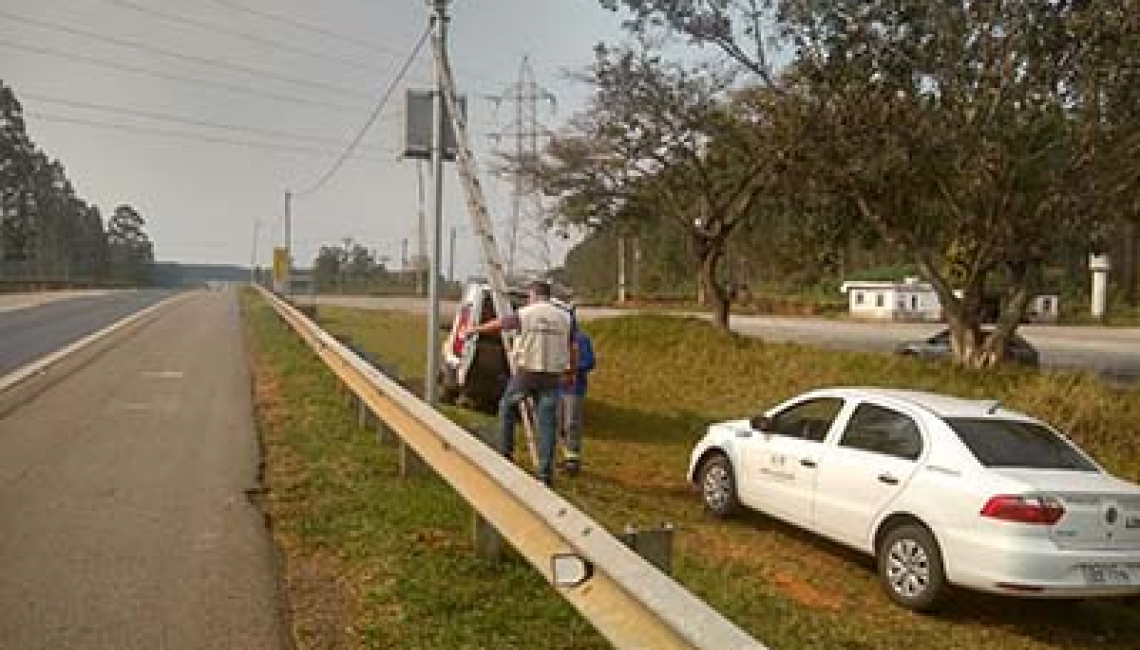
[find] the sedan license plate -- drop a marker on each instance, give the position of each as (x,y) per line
(1108,574)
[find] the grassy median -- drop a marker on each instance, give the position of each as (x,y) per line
(370,560)
(660,379)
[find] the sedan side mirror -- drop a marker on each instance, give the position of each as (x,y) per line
(761,422)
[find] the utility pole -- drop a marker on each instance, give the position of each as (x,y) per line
(431,372)
(483,224)
(621,270)
(420,262)
(253,252)
(288,244)
(451,258)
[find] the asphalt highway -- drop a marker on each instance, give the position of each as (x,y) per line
(124,521)
(33,332)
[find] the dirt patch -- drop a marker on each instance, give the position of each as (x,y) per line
(266,399)
(806,594)
(431,538)
(772,560)
(323,605)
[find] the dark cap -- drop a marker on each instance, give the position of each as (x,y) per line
(540,286)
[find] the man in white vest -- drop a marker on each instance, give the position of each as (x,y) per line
(543,354)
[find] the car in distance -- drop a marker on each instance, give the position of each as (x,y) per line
(937,346)
(941,491)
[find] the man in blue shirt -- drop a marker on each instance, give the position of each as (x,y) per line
(574,404)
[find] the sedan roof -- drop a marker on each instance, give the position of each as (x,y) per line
(945,406)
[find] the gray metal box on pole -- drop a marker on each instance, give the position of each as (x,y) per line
(418,131)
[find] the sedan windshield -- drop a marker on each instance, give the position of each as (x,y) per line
(1009,443)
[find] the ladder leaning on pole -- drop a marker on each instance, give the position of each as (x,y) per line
(484,229)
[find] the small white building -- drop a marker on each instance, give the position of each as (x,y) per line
(910,299)
(915,300)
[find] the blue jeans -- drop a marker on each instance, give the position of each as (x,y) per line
(546,406)
(573,412)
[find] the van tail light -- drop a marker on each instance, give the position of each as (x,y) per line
(1024,509)
(461,325)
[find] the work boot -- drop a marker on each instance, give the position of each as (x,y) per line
(571,466)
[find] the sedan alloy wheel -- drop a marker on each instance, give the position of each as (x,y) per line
(910,567)
(718,486)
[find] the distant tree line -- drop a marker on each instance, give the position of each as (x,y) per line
(49,234)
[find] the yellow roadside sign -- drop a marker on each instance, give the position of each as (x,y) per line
(280,264)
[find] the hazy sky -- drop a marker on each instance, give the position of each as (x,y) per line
(87,71)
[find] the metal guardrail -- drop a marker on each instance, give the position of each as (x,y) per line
(623,596)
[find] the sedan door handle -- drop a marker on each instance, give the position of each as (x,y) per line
(888,479)
(807,462)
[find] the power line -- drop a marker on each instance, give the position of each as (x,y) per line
(244,36)
(184,135)
(166,117)
(222,85)
(372,118)
(201,60)
(304,26)
(324,31)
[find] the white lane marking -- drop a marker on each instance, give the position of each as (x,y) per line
(162,374)
(161,406)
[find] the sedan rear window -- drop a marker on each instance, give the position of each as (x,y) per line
(1008,443)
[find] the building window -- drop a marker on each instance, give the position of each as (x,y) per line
(879,300)
(858,297)
(914,303)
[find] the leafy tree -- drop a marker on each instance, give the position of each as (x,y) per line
(130,250)
(16,151)
(337,266)
(327,267)
(662,141)
(93,252)
(966,133)
(361,263)
(736,28)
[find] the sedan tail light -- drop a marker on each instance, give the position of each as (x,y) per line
(1024,510)
(461,324)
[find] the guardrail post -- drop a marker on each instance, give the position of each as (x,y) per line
(410,462)
(362,413)
(653,544)
(384,435)
(487,541)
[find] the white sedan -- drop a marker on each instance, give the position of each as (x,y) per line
(940,490)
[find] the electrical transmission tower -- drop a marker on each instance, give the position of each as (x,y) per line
(528,230)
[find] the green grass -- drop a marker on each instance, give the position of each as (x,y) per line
(374,560)
(660,379)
